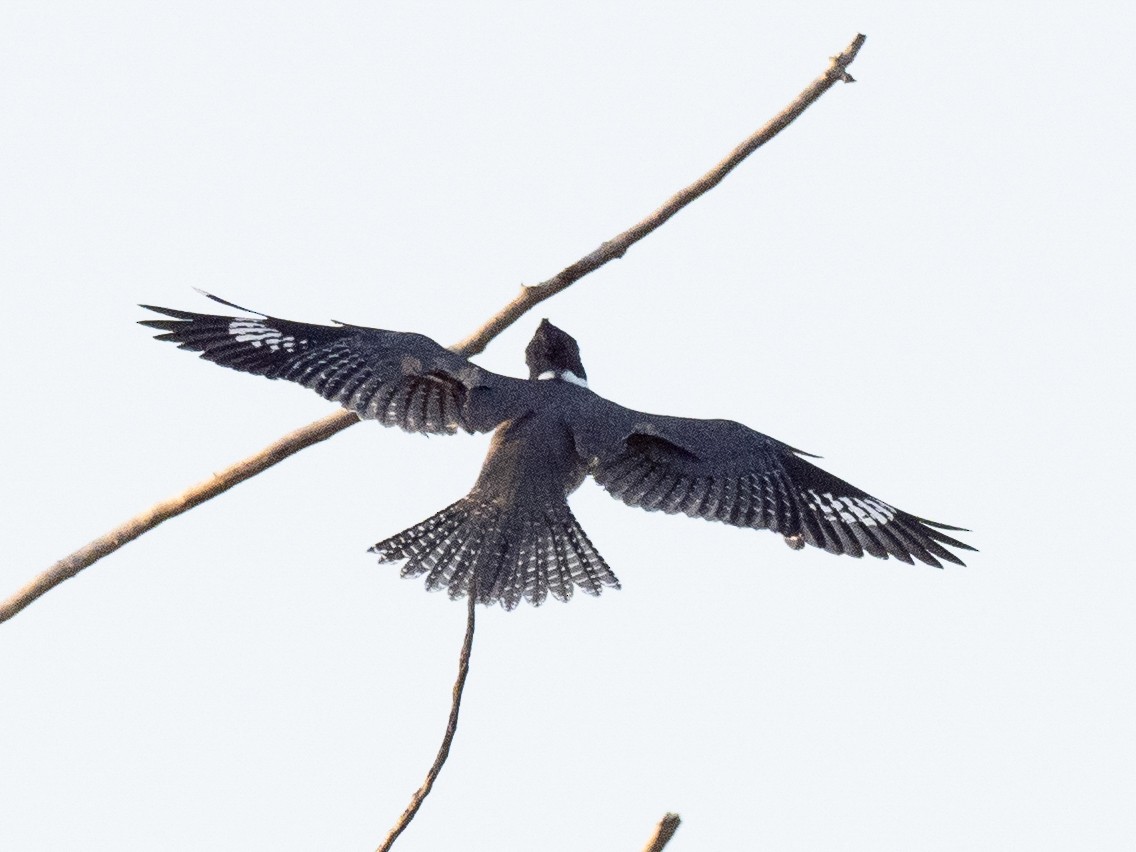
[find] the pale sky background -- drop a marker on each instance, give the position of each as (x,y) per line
(927,280)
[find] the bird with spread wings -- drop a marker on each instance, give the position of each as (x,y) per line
(513,536)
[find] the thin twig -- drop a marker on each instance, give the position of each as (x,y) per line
(664,831)
(528,297)
(451,728)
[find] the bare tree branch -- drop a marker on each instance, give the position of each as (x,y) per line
(618,246)
(528,297)
(451,728)
(216,484)
(664,831)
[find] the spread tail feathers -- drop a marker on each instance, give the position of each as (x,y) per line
(508,554)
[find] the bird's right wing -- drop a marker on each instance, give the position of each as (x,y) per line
(723,471)
(398,378)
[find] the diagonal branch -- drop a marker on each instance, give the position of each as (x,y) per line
(618,246)
(216,484)
(451,728)
(528,297)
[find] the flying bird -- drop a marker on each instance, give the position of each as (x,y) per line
(513,536)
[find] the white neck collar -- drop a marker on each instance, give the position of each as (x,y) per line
(564,376)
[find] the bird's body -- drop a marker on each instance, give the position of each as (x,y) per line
(513,536)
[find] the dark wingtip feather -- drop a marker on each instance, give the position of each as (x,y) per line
(170,312)
(804,453)
(939,526)
(161,325)
(950,557)
(950,541)
(227,303)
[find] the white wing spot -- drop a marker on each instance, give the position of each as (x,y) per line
(851,510)
(258,334)
(881,511)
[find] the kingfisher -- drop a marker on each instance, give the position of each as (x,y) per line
(513,536)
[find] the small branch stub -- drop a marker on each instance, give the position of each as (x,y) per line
(841,61)
(664,831)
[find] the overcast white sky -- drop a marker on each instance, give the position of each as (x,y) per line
(927,279)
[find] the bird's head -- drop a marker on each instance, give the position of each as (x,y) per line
(554,354)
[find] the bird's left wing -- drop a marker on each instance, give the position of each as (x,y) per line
(720,470)
(398,378)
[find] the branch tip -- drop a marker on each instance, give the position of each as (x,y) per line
(664,831)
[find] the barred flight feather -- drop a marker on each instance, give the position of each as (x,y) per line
(783,494)
(475,546)
(344,364)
